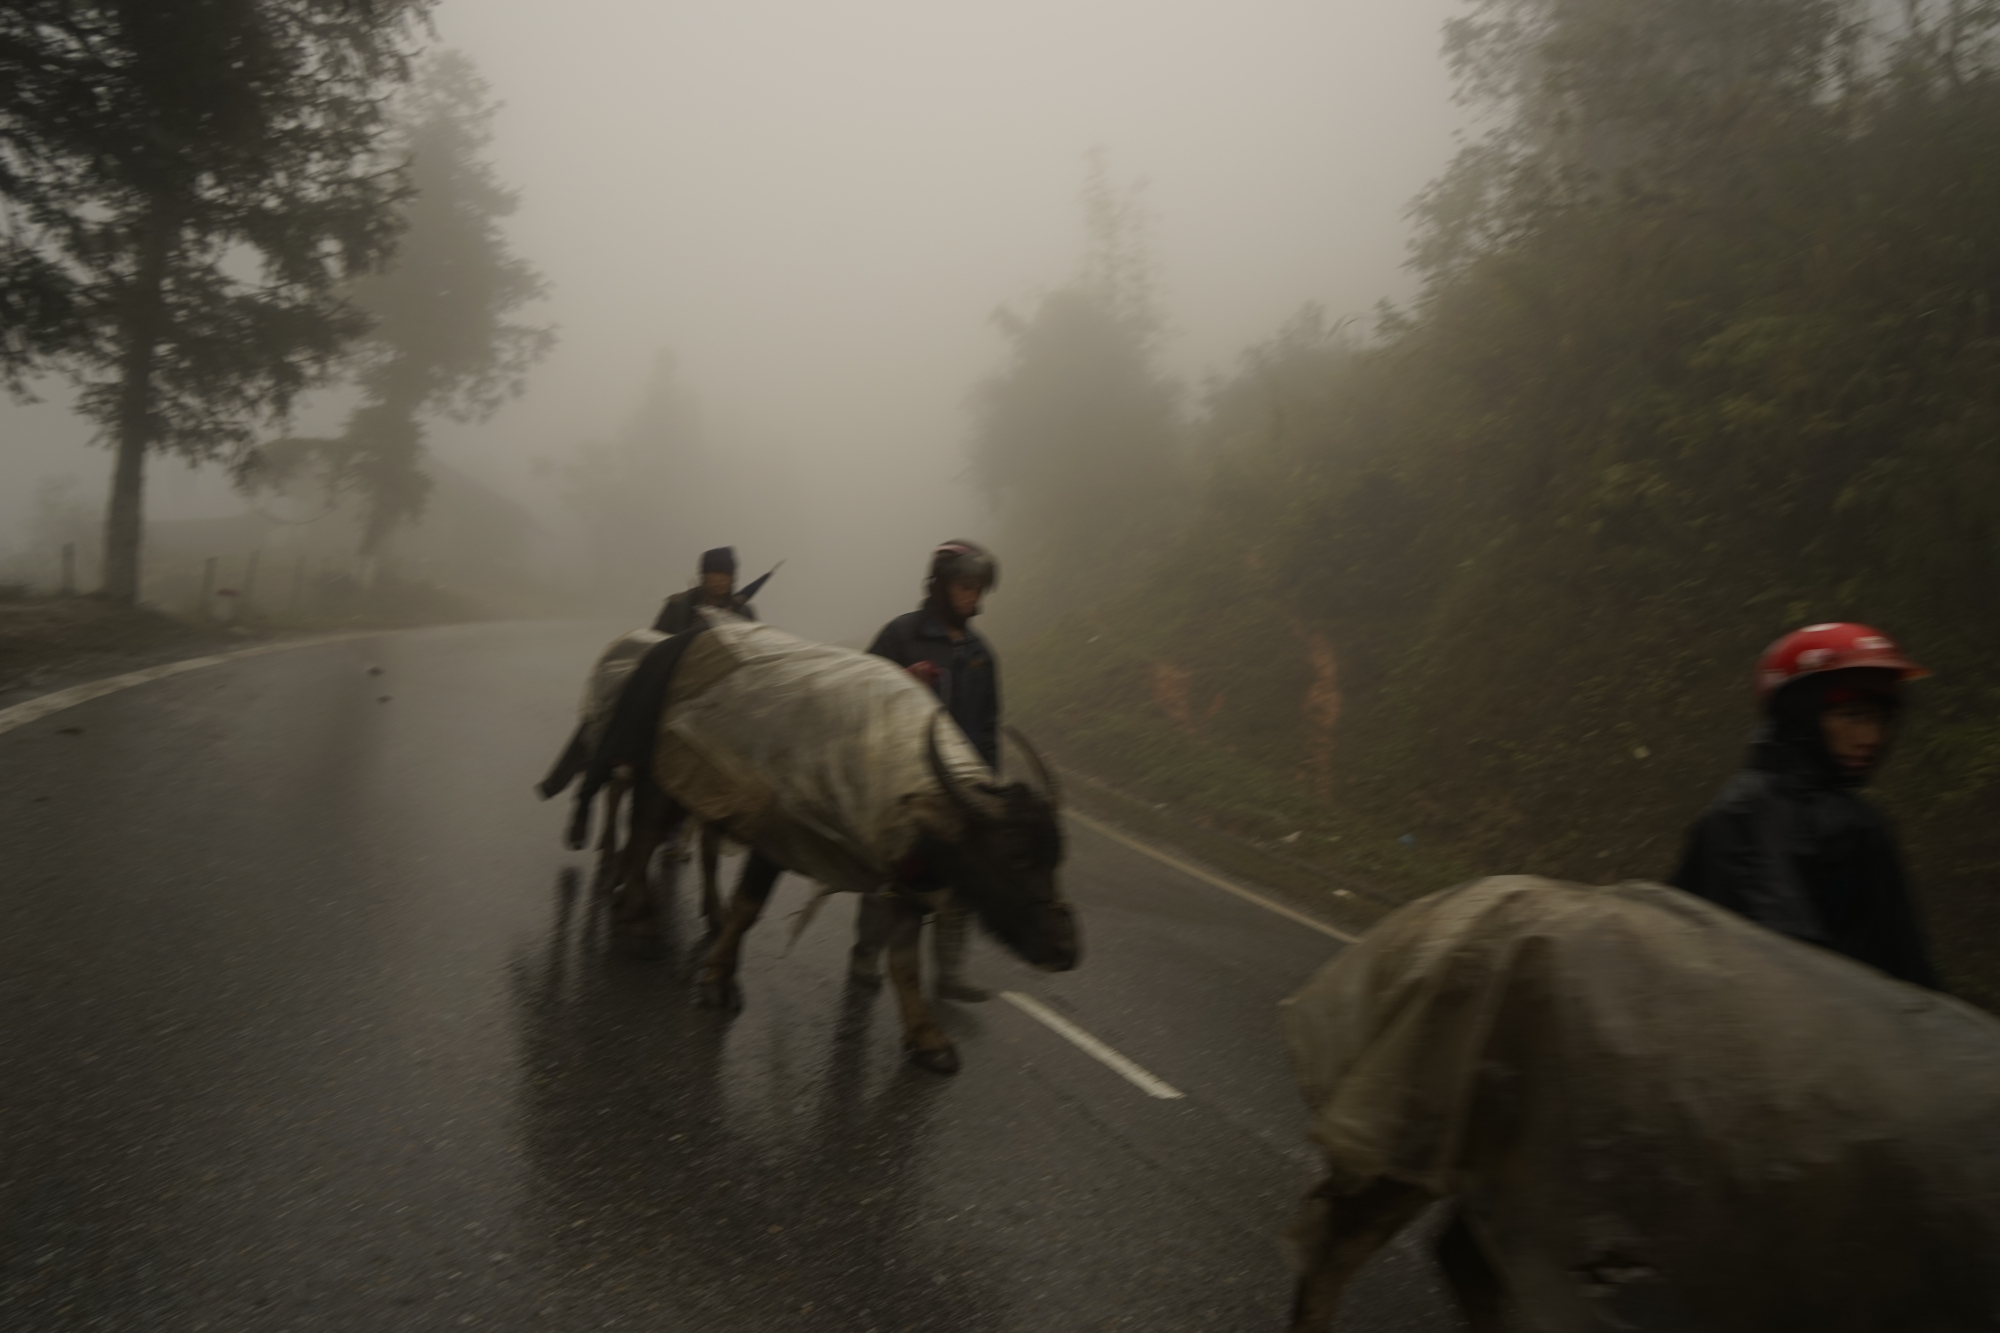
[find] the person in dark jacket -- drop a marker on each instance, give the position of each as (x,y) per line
(937,642)
(1789,842)
(963,670)
(717,588)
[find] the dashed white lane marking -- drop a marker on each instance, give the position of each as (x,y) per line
(23,713)
(1147,1083)
(1098,826)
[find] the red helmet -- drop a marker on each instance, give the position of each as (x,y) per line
(1837,646)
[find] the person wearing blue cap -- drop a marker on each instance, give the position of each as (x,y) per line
(717,588)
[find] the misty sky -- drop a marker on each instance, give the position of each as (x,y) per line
(816,204)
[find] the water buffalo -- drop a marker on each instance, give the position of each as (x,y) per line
(835,765)
(652,820)
(1649,1114)
(996,850)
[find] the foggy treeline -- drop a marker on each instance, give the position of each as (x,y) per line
(1705,350)
(1079,441)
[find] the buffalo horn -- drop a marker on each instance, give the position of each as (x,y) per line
(952,790)
(1042,773)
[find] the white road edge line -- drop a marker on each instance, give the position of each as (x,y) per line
(1089,1045)
(21,714)
(1099,826)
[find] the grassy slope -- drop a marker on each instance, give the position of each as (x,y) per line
(47,643)
(1517,724)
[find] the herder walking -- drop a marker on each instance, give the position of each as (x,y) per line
(937,642)
(717,588)
(1789,842)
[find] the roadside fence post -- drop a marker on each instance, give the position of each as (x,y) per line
(69,569)
(203,608)
(249,585)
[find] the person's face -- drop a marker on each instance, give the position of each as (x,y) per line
(965,595)
(717,587)
(1856,731)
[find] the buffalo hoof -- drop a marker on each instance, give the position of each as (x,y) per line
(718,994)
(963,992)
(943,1060)
(864,974)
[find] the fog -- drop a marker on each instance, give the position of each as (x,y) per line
(816,208)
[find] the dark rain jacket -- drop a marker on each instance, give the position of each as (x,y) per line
(968,676)
(677,616)
(1790,844)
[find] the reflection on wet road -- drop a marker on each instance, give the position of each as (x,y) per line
(310,1023)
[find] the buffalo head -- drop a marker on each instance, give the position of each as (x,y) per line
(1003,863)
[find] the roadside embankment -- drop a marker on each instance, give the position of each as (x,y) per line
(51,643)
(1361,765)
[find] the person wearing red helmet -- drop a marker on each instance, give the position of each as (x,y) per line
(1789,842)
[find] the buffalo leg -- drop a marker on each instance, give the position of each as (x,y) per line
(716,987)
(711,853)
(951,934)
(652,821)
(1473,1282)
(922,1037)
(607,841)
(872,924)
(1343,1222)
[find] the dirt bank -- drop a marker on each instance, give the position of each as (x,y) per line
(48,643)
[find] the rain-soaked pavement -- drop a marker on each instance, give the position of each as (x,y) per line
(307,1021)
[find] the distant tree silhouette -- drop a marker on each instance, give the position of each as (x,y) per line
(641,498)
(1078,443)
(442,340)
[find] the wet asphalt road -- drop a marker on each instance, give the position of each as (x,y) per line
(307,1021)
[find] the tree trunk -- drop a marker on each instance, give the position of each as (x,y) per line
(124,516)
(124,520)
